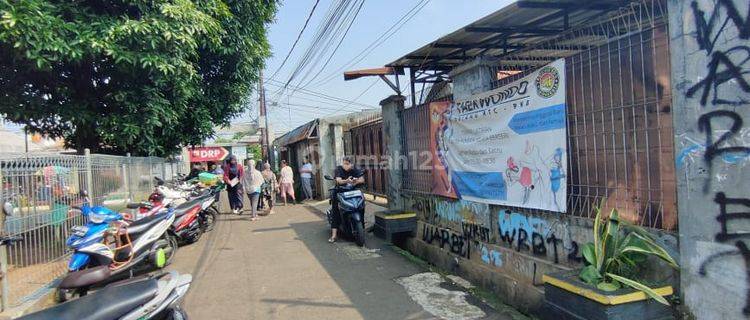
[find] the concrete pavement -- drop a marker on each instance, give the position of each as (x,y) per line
(281,267)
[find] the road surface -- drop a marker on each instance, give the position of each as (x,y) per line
(282,267)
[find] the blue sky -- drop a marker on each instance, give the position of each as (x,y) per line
(437,18)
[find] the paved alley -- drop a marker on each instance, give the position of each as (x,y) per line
(281,267)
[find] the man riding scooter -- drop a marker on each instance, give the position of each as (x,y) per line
(347,177)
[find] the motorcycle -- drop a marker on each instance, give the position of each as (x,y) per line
(108,245)
(351,210)
(150,297)
(184,213)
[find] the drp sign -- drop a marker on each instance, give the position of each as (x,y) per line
(201,154)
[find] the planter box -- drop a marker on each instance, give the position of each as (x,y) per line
(390,223)
(567,297)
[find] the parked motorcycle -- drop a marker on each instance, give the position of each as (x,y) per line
(109,245)
(351,210)
(150,297)
(206,215)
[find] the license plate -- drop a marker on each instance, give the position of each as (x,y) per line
(80,231)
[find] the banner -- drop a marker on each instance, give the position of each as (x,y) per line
(506,146)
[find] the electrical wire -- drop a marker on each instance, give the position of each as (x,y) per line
(296,40)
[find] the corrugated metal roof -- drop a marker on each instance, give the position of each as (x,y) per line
(298,134)
(515,27)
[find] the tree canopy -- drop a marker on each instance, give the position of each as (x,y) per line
(139,76)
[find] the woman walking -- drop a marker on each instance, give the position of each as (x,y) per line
(252,181)
(286,179)
(233,174)
(270,186)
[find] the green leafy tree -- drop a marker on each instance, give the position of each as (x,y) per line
(138,76)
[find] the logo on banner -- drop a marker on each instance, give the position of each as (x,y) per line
(547,82)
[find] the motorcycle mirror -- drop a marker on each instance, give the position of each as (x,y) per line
(327,177)
(8,209)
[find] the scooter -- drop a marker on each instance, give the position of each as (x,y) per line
(206,216)
(109,245)
(151,297)
(351,208)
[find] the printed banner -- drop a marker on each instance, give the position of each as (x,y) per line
(506,146)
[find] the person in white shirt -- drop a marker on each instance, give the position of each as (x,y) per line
(286,180)
(252,180)
(305,174)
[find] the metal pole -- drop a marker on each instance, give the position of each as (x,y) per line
(4,300)
(127,166)
(89,176)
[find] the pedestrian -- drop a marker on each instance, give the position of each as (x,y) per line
(216,169)
(270,186)
(286,179)
(252,181)
(305,174)
(233,174)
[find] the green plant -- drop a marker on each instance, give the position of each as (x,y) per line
(145,77)
(618,249)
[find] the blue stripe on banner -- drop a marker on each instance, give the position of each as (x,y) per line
(485,185)
(544,119)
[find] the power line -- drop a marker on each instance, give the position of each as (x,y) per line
(361,94)
(380,40)
(296,40)
(318,94)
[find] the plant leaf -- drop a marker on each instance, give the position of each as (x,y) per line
(639,286)
(608,286)
(597,244)
(657,250)
(589,253)
(590,275)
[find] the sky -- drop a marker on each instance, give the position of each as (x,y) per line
(437,18)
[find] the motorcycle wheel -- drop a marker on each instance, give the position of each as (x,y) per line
(171,248)
(197,235)
(209,219)
(359,234)
(176,314)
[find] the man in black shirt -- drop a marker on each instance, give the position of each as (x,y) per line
(345,174)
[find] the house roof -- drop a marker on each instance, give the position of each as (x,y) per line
(517,28)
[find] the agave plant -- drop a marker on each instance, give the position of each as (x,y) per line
(617,250)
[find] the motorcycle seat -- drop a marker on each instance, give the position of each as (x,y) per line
(112,302)
(141,225)
(85,277)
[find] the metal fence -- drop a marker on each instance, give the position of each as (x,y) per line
(368,147)
(619,116)
(39,189)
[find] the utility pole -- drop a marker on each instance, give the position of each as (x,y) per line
(266,144)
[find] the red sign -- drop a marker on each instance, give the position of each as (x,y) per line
(201,154)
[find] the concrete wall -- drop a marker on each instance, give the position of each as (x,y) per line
(711,96)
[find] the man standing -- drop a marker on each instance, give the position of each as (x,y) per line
(306,174)
(286,179)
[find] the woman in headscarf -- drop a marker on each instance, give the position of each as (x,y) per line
(270,186)
(252,181)
(233,174)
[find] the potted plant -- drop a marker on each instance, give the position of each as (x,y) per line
(610,285)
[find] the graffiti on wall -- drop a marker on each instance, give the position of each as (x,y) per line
(463,211)
(529,233)
(446,239)
(491,256)
(722,96)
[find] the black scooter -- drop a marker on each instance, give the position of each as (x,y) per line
(351,208)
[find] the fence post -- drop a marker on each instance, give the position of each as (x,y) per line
(89,176)
(164,169)
(393,107)
(4,300)
(127,167)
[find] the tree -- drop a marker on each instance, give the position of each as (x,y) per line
(138,76)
